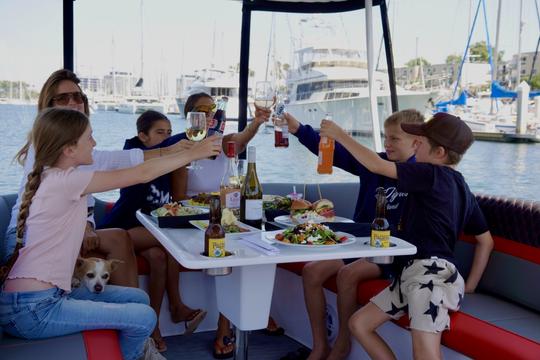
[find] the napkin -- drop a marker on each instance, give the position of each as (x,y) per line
(256,243)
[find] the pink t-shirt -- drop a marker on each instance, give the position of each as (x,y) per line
(54,228)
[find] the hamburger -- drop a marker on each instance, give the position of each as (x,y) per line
(325,208)
(303,211)
(300,206)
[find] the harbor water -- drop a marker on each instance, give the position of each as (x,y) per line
(510,170)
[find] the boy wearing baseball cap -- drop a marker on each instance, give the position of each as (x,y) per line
(438,208)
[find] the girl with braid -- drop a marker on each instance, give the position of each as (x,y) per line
(37,300)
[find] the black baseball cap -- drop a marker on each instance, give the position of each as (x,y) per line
(445,129)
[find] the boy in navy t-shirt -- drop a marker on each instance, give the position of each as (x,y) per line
(438,208)
(399,146)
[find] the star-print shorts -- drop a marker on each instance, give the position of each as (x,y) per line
(427,290)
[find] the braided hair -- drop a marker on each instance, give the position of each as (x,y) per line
(54,129)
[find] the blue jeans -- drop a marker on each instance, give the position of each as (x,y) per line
(54,312)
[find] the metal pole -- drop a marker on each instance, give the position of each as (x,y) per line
(244,71)
(376,127)
(389,56)
(495,69)
(68,34)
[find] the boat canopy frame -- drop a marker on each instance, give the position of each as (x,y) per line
(248,6)
(324,6)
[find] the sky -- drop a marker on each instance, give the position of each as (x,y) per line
(180,36)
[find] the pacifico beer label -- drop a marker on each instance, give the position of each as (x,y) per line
(216,247)
(380,238)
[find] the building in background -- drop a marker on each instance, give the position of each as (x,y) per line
(119,83)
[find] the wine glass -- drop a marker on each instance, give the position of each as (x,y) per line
(264,97)
(195,131)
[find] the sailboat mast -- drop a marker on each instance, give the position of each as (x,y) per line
(494,71)
(496,54)
(142,42)
(518,65)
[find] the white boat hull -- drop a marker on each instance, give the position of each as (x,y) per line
(353,114)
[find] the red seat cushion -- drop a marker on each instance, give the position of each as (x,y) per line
(102,345)
(470,336)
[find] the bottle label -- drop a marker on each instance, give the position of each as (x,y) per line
(320,157)
(254,209)
(232,199)
(216,247)
(285,131)
(380,238)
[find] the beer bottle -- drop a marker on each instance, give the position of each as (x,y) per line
(214,236)
(326,153)
(380,228)
(281,127)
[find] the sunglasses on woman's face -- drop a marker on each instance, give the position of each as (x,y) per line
(208,109)
(64,98)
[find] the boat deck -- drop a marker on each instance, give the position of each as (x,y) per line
(198,346)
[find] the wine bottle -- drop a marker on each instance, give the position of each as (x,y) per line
(214,236)
(380,228)
(251,196)
(230,182)
(326,153)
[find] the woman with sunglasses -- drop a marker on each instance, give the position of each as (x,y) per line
(62,90)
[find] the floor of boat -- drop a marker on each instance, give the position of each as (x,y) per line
(199,346)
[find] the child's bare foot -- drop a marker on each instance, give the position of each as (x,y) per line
(319,353)
(341,350)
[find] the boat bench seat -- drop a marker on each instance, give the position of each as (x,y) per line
(502,319)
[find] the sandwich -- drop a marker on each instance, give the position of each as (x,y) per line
(303,211)
(325,208)
(299,207)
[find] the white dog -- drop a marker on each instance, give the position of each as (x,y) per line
(94,273)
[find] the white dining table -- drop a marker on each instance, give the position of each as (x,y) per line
(245,294)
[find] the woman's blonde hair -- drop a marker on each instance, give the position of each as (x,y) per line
(53,130)
(46,95)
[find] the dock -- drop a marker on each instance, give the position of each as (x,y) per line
(506,137)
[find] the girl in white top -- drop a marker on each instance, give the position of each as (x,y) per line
(37,300)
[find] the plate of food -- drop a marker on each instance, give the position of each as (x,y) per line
(231,231)
(233,228)
(311,235)
(276,202)
(303,211)
(201,200)
(175,215)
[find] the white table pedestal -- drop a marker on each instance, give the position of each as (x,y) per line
(244,297)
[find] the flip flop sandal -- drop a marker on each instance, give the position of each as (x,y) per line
(160,344)
(194,321)
(218,351)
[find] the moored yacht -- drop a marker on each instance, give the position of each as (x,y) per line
(335,80)
(217,83)
(140,103)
